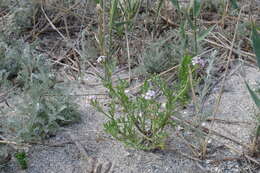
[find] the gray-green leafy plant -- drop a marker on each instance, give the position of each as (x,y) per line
(45,106)
(159,56)
(22,15)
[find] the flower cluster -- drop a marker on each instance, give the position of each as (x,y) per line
(149,95)
(198,60)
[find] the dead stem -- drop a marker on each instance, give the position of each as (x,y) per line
(204,147)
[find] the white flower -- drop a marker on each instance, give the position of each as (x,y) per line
(149,95)
(208,161)
(126,91)
(98,7)
(179,128)
(51,75)
(203,124)
(101,59)
(163,105)
(198,60)
(92,97)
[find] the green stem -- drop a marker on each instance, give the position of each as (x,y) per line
(195,36)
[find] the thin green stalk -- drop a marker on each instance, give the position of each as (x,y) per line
(195,36)
(128,53)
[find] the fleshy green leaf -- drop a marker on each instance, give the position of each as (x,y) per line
(256,44)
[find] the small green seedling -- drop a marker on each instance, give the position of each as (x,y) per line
(22,159)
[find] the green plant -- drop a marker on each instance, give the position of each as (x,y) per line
(10,65)
(47,106)
(5,155)
(142,121)
(190,46)
(139,121)
(22,17)
(4,3)
(120,21)
(42,117)
(21,159)
(255,145)
(158,56)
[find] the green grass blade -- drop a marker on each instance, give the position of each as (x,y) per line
(113,11)
(204,33)
(196,8)
(256,44)
(176,4)
(190,22)
(254,96)
(118,24)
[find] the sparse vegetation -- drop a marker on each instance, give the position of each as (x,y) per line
(21,158)
(255,145)
(175,53)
